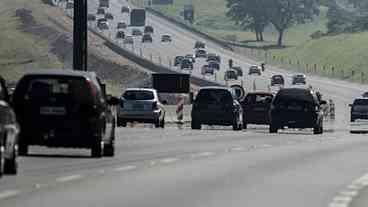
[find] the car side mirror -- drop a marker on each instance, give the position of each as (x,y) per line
(350,105)
(323,102)
(112,100)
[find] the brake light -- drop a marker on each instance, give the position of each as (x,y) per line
(92,87)
(154,105)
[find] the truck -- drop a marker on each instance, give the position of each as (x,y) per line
(138,17)
(104,3)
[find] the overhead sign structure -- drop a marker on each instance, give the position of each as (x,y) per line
(138,17)
(171,82)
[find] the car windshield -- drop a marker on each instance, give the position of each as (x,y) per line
(138,95)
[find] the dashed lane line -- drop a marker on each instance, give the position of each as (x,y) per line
(345,197)
(69,178)
(125,168)
(8,194)
(169,160)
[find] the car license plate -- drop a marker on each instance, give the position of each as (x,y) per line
(47,110)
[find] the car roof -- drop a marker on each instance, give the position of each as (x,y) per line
(63,72)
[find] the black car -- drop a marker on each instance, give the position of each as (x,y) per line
(102,24)
(299,79)
(239,70)
(109,16)
(147,38)
(214,64)
(148,29)
(201,54)
(100,11)
(137,32)
(65,108)
(121,25)
(125,9)
(178,60)
(296,108)
(91,17)
(166,38)
(9,130)
(256,106)
(216,106)
(359,109)
(277,80)
(231,75)
(199,45)
(186,64)
(213,57)
(120,35)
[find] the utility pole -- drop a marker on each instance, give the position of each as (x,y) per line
(80,35)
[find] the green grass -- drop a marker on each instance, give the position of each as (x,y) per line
(19,51)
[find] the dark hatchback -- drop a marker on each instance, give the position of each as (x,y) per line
(216,106)
(277,80)
(296,108)
(359,109)
(256,108)
(64,108)
(9,130)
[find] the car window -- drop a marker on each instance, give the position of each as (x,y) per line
(360,105)
(138,95)
(214,96)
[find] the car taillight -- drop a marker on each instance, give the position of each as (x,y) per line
(154,105)
(92,88)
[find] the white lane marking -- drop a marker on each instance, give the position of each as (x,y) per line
(169,160)
(125,168)
(68,178)
(265,146)
(344,198)
(8,194)
(237,149)
(203,154)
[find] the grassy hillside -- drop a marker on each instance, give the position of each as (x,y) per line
(345,53)
(20,51)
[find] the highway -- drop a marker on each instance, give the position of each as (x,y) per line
(212,167)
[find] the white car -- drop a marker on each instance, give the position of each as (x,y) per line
(140,105)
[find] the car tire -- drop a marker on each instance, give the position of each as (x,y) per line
(2,160)
(157,123)
(109,149)
(236,125)
(23,149)
(162,125)
(318,129)
(97,149)
(273,129)
(196,125)
(11,166)
(245,125)
(121,123)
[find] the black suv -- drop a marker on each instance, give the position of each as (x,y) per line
(9,130)
(147,38)
(148,29)
(277,80)
(256,107)
(216,106)
(296,108)
(65,108)
(359,109)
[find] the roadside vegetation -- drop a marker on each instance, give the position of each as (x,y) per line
(330,34)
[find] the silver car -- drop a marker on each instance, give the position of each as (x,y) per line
(141,105)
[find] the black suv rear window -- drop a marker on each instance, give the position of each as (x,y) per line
(214,96)
(138,95)
(258,98)
(360,105)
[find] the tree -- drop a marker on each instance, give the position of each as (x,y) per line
(284,13)
(249,14)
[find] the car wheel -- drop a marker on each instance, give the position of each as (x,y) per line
(157,123)
(109,149)
(318,129)
(11,166)
(273,129)
(121,123)
(2,160)
(98,148)
(245,125)
(162,123)
(23,149)
(196,125)
(236,125)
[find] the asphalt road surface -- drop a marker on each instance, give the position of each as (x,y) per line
(211,167)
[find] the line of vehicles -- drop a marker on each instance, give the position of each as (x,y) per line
(102,18)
